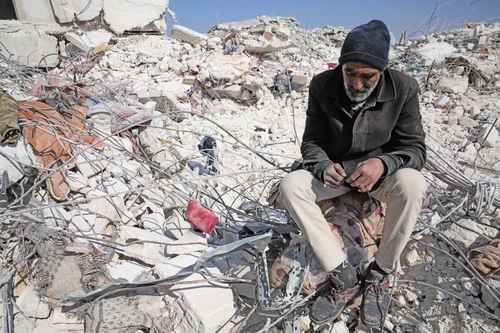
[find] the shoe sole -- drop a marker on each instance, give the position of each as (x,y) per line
(356,293)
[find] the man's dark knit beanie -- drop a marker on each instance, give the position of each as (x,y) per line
(368,43)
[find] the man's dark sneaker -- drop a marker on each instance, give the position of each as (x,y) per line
(376,299)
(345,286)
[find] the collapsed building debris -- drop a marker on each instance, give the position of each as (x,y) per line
(36,40)
(119,16)
(30,44)
(137,179)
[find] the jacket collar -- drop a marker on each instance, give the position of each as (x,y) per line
(385,91)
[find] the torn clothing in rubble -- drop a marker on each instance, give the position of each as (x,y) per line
(388,126)
(52,137)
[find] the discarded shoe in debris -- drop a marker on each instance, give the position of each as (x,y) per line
(345,287)
(376,300)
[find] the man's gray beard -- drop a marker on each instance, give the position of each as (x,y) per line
(359,97)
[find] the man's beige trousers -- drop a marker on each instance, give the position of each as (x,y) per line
(403,192)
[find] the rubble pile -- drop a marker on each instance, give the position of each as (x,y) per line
(114,15)
(138,173)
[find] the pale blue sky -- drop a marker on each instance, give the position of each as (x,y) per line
(399,15)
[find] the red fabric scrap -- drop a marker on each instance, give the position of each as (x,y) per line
(201,218)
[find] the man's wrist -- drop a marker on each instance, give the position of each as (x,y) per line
(384,166)
(319,169)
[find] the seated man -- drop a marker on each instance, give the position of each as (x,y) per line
(363,132)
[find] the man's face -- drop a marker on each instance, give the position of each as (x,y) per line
(359,80)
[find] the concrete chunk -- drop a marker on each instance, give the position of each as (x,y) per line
(126,270)
(34,11)
(89,39)
(212,305)
(31,305)
(68,10)
(126,15)
(489,136)
(187,35)
(190,242)
(487,295)
(237,25)
(29,44)
(225,67)
(436,51)
(454,84)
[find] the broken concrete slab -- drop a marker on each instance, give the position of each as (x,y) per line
(67,11)
(176,225)
(233,91)
(31,305)
(174,265)
(154,222)
(263,47)
(102,205)
(226,68)
(34,11)
(126,15)
(125,270)
(489,136)
(148,246)
(189,243)
(58,322)
(88,40)
(453,84)
(90,163)
(237,25)
(76,181)
(127,233)
(29,44)
(120,16)
(435,52)
(487,295)
(84,223)
(211,304)
(462,235)
(187,35)
(56,216)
